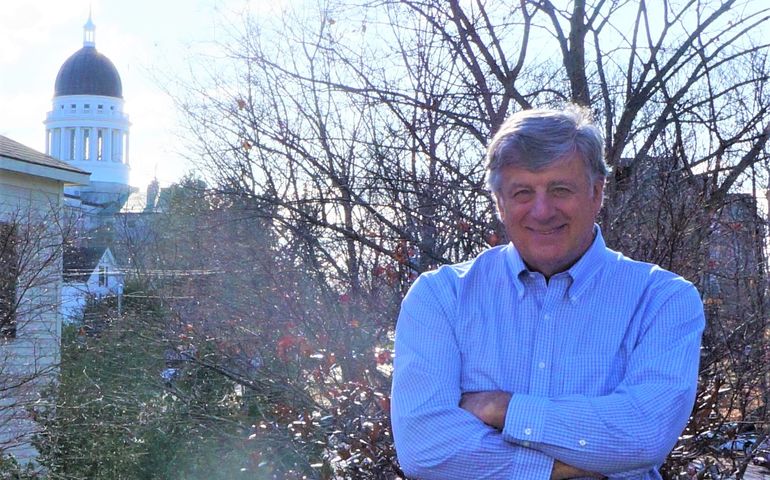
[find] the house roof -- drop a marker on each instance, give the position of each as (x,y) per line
(80,262)
(17,157)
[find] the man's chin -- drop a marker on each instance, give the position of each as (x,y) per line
(544,263)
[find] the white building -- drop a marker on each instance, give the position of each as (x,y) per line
(90,273)
(31,200)
(88,129)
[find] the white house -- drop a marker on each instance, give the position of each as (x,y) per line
(90,273)
(31,221)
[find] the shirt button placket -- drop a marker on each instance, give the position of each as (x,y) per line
(542,352)
(541,356)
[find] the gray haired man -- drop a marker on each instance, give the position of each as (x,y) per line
(551,356)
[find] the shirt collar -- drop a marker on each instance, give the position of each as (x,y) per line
(588,266)
(581,272)
(517,267)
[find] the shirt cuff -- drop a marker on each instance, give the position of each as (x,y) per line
(525,420)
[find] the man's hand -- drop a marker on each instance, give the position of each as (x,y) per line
(490,407)
(562,471)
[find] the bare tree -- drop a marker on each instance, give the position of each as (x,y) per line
(30,277)
(356,132)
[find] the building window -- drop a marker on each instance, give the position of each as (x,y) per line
(115,154)
(124,148)
(73,141)
(9,273)
(100,144)
(86,144)
(103,276)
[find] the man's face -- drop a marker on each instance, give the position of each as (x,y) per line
(549,214)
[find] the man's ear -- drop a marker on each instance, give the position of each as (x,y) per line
(500,206)
(598,193)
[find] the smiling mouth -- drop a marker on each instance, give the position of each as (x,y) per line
(549,231)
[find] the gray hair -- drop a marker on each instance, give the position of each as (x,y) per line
(535,139)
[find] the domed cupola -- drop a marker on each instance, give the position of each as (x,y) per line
(88,72)
(87,126)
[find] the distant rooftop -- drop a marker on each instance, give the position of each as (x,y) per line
(79,263)
(136,203)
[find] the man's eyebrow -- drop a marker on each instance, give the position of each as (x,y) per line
(559,183)
(554,183)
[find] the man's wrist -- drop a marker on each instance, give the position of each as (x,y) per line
(490,407)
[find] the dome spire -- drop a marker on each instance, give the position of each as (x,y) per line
(89,32)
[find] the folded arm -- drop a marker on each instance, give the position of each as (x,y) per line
(491,407)
(434,437)
(628,431)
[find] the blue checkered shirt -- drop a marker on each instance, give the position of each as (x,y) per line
(601,361)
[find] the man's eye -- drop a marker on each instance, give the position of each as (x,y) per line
(522,195)
(561,191)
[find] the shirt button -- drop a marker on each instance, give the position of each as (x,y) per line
(541,364)
(546,317)
(527,431)
(582,443)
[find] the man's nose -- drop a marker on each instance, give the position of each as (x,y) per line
(542,207)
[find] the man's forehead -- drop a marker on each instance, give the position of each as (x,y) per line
(549,182)
(565,168)
(555,172)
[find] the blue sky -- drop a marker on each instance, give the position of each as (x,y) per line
(143,38)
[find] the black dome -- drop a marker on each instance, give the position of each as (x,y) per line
(88,72)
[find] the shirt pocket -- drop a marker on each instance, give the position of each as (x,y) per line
(480,372)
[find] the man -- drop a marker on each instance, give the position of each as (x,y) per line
(552,356)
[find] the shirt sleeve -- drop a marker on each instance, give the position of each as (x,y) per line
(636,426)
(434,437)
